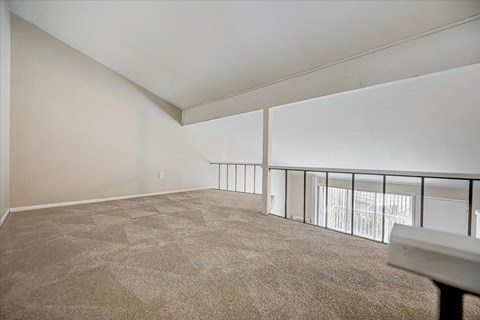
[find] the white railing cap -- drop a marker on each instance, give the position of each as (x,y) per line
(444,257)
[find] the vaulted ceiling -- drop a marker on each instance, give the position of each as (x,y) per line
(192,53)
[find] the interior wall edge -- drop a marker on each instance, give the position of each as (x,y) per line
(5,61)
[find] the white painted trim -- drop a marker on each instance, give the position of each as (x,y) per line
(4,217)
(447,258)
(72,203)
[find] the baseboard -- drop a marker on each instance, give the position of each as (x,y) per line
(4,217)
(72,203)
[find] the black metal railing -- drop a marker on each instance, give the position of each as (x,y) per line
(248,184)
(469,178)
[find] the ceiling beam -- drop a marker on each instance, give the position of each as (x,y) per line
(451,46)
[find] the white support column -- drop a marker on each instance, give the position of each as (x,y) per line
(267,154)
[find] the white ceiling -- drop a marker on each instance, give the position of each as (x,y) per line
(191,53)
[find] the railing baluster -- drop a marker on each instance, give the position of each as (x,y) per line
(422,201)
(286,191)
(470,207)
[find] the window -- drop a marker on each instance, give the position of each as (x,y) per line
(367,220)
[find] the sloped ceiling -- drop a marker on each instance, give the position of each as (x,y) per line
(191,53)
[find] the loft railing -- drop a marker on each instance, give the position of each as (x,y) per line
(244,176)
(351,209)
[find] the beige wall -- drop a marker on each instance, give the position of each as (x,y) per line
(4,107)
(81,131)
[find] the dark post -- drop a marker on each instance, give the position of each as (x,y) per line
(422,201)
(450,302)
(470,207)
(286,191)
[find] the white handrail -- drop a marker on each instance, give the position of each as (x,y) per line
(443,257)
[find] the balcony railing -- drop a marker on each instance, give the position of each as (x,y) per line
(244,176)
(363,203)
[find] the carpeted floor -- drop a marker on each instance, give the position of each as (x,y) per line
(197,255)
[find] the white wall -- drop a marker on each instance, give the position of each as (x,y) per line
(4,108)
(429,123)
(80,131)
(231,139)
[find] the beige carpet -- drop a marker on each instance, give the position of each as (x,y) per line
(197,255)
